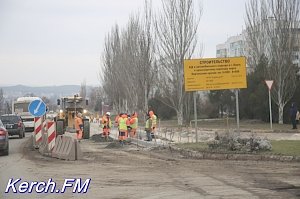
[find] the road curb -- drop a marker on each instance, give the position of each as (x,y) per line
(143,143)
(218,156)
(228,156)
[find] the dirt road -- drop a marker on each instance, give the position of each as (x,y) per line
(132,172)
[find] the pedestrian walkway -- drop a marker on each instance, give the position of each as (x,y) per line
(185,135)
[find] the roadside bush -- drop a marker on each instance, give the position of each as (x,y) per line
(234,142)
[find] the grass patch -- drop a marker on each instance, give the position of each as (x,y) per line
(222,123)
(281,147)
(286,147)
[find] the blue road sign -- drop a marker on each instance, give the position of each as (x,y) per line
(37,108)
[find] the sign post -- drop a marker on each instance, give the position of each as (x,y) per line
(237,109)
(269,84)
(195,115)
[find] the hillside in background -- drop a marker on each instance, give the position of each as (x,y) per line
(12,92)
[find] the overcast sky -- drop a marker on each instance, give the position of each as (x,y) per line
(59,42)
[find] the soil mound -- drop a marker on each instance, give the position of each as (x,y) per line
(100,138)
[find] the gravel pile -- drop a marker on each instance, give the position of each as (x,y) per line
(114,145)
(99,138)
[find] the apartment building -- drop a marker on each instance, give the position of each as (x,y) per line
(233,47)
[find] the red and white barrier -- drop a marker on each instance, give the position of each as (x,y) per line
(38,129)
(51,135)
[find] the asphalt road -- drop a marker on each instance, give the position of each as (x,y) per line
(134,173)
(15,165)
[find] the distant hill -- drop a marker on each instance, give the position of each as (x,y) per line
(47,91)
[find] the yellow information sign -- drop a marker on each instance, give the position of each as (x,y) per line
(215,73)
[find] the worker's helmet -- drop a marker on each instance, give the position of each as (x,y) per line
(108,113)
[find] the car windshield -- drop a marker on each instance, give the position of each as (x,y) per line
(9,119)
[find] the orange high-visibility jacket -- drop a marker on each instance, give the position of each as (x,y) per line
(106,121)
(134,122)
(78,122)
(153,118)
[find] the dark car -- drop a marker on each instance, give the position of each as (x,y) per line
(13,125)
(3,139)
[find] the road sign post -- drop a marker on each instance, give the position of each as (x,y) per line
(269,84)
(195,115)
(237,110)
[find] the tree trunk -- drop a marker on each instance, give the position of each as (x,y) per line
(180,115)
(145,99)
(280,113)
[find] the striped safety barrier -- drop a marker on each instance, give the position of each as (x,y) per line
(51,135)
(38,129)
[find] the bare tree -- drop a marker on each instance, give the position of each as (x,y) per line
(96,96)
(112,69)
(83,89)
(176,28)
(138,59)
(271,27)
(146,66)
(128,63)
(8,107)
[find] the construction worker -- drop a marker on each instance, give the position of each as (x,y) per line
(106,125)
(133,124)
(122,128)
(153,123)
(78,126)
(148,127)
(117,120)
